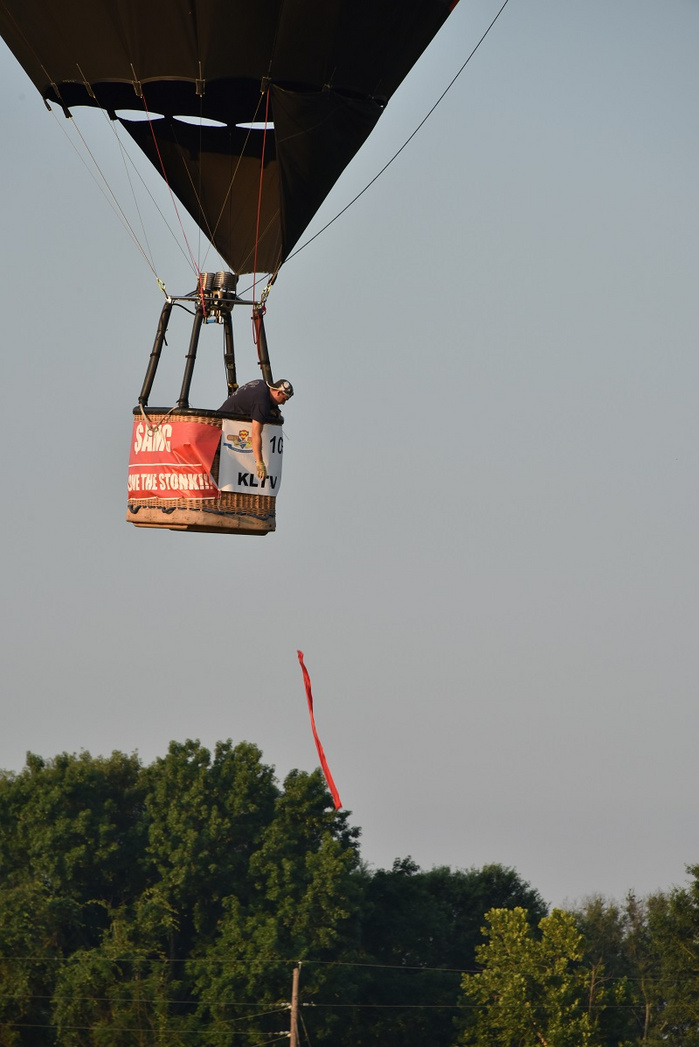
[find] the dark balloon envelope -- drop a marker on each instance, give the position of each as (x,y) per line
(320,71)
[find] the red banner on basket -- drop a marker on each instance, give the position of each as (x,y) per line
(173,459)
(319,747)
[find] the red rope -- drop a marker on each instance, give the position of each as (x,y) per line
(259,194)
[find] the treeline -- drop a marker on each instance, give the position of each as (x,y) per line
(604,975)
(169,904)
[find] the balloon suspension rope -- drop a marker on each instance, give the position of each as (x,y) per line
(405,143)
(259,310)
(100,179)
(172,195)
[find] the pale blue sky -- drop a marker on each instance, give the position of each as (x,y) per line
(486,539)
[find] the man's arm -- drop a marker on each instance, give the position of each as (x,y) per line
(257,428)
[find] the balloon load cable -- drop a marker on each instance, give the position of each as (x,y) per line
(259,204)
(405,143)
(172,195)
(323,762)
(102,184)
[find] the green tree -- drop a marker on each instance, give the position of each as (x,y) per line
(29,958)
(169,904)
(532,990)
(71,843)
(205,819)
(622,958)
(420,930)
(74,824)
(673,929)
(303,907)
(113,875)
(648,951)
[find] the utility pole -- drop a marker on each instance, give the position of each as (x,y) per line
(294,1038)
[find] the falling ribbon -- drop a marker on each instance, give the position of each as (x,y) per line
(319,747)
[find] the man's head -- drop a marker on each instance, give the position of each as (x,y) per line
(281,391)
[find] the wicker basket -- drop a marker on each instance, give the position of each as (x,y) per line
(232,513)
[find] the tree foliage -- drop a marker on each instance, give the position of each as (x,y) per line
(423,928)
(650,950)
(138,902)
(168,904)
(533,990)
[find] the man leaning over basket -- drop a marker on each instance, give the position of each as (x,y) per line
(260,402)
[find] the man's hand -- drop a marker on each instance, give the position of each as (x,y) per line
(261,469)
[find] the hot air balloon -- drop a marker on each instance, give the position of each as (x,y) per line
(254,108)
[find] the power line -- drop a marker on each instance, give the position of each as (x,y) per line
(232,965)
(159,1032)
(273,962)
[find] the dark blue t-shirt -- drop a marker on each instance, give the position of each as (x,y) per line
(253,400)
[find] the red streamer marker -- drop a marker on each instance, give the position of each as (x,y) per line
(319,747)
